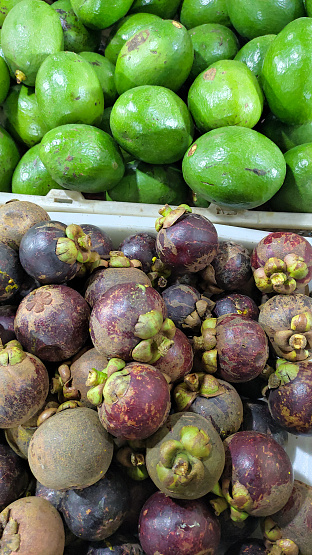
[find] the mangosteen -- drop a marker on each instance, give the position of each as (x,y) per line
(181,527)
(129,322)
(186,242)
(234,531)
(96,512)
(141,246)
(178,361)
(100,240)
(71,449)
(140,491)
(14,476)
(247,547)
(117,544)
(103,279)
(24,385)
(282,263)
(257,417)
(186,307)
(11,273)
(54,496)
(214,399)
(185,457)
(232,266)
(236,303)
(16,217)
(52,322)
(31,525)
(287,321)
(7,315)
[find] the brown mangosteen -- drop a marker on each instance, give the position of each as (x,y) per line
(24,385)
(71,449)
(19,437)
(103,279)
(185,457)
(31,525)
(16,217)
(170,526)
(52,322)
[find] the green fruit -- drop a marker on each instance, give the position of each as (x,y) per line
(286,73)
(100,14)
(308,7)
(252,18)
(68,91)
(211,42)
(31,31)
(166,9)
(284,135)
(105,72)
(253,52)
(197,12)
(123,30)
(227,93)
(82,157)
(150,184)
(31,177)
(4,80)
(77,38)
(153,124)
(5,7)
(160,54)
(295,195)
(9,157)
(234,167)
(23,118)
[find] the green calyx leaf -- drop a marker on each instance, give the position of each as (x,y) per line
(195,441)
(66,250)
(286,371)
(12,354)
(116,386)
(148,325)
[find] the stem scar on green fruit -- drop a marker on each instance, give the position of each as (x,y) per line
(192,150)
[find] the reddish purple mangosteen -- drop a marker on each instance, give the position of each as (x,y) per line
(175,527)
(258,477)
(178,361)
(236,303)
(102,279)
(185,242)
(14,476)
(186,306)
(7,315)
(100,240)
(282,262)
(52,322)
(232,266)
(141,246)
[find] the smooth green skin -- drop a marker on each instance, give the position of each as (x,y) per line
(234,167)
(68,91)
(160,54)
(31,177)
(23,119)
(284,135)
(5,7)
(211,42)
(227,93)
(295,195)
(308,7)
(9,157)
(153,124)
(166,9)
(100,14)
(150,184)
(286,73)
(253,52)
(30,32)
(252,18)
(77,38)
(82,158)
(197,12)
(4,80)
(105,72)
(123,30)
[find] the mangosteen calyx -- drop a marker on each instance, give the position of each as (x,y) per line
(209,283)
(159,273)
(10,538)
(280,275)
(11,353)
(274,542)
(170,216)
(296,343)
(133,462)
(149,350)
(181,461)
(97,379)
(285,373)
(194,385)
(207,342)
(76,246)
(116,386)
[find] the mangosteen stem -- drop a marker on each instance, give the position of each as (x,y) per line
(95,394)
(274,265)
(297,341)
(10,540)
(270,530)
(170,216)
(219,504)
(118,260)
(19,76)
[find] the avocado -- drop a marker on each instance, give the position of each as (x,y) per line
(284,135)
(5,7)
(152,123)
(31,177)
(166,9)
(150,184)
(286,73)
(68,91)
(226,93)
(105,72)
(23,119)
(82,157)
(159,54)
(4,80)
(9,157)
(234,167)
(197,12)
(100,14)
(30,32)
(253,52)
(211,42)
(77,37)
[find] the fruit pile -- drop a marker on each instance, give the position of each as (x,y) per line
(147,393)
(159,101)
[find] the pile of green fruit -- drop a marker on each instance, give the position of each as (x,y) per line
(159,101)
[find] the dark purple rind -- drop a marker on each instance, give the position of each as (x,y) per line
(11,273)
(101,242)
(180,302)
(14,476)
(242,348)
(179,359)
(247,547)
(117,544)
(141,246)
(232,266)
(171,526)
(189,245)
(236,303)
(257,417)
(52,322)
(232,531)
(262,466)
(7,315)
(54,496)
(142,409)
(115,314)
(102,280)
